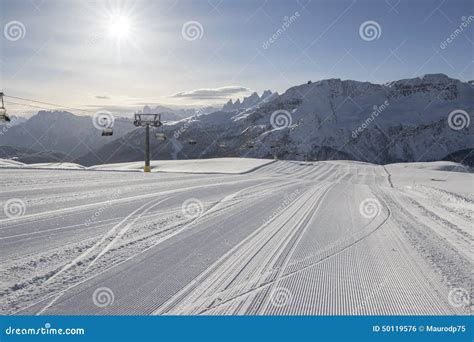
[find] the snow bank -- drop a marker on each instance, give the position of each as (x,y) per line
(10,163)
(433,175)
(55,166)
(434,166)
(216,165)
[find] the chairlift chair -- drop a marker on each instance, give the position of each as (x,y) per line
(160,136)
(3,115)
(191,142)
(107,132)
(3,111)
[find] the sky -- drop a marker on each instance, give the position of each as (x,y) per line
(122,55)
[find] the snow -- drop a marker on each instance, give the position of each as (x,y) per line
(447,176)
(7,163)
(55,166)
(322,121)
(329,119)
(288,238)
(217,165)
(434,166)
(10,163)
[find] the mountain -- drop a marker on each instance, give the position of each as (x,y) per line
(60,131)
(401,121)
(29,156)
(176,114)
(248,102)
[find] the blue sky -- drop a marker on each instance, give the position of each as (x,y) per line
(78,53)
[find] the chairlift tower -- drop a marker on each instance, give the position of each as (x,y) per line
(147,120)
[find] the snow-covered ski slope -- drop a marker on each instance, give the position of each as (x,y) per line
(289,238)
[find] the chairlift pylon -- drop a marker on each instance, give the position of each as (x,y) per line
(3,111)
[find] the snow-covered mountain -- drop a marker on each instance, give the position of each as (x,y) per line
(59,131)
(402,121)
(176,114)
(248,102)
(29,156)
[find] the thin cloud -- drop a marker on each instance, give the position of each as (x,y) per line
(212,93)
(102,97)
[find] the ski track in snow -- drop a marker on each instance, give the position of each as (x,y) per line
(286,239)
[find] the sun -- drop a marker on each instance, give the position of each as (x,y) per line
(119,26)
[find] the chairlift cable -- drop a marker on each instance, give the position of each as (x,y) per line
(48,103)
(26,105)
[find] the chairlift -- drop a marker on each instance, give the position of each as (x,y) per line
(3,111)
(160,136)
(3,115)
(107,132)
(191,142)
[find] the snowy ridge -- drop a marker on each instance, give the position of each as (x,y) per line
(333,119)
(248,102)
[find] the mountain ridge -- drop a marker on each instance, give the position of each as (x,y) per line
(400,121)
(410,124)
